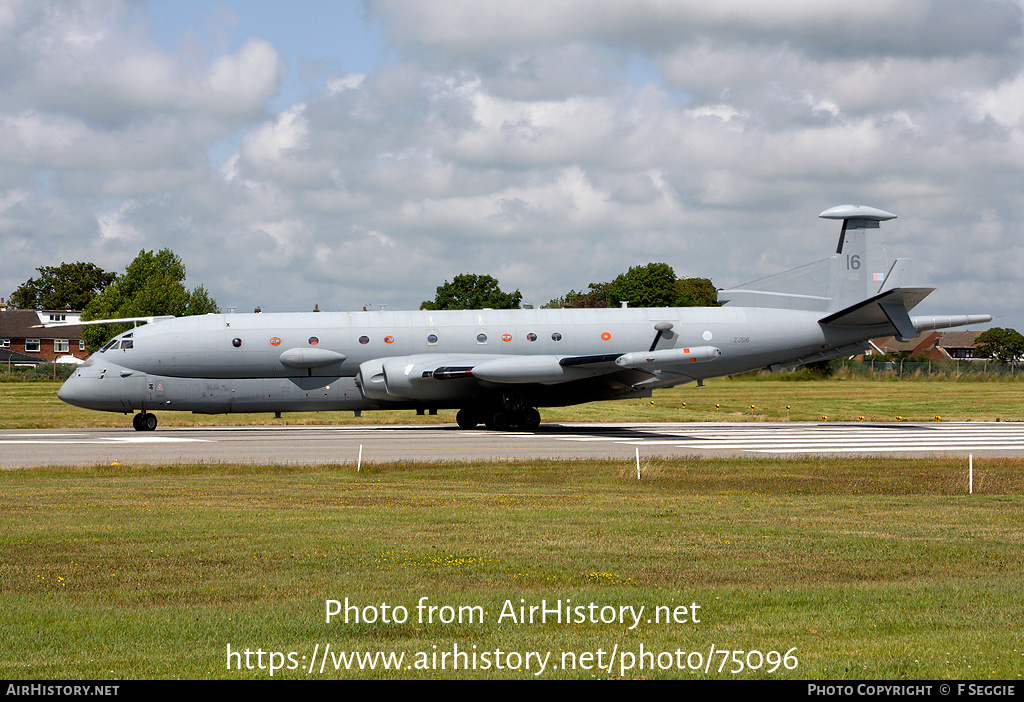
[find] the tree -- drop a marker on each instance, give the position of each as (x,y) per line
(152,285)
(67,286)
(999,344)
(653,285)
(696,292)
(472,292)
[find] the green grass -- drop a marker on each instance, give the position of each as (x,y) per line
(35,405)
(860,568)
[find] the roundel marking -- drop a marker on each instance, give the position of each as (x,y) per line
(389,339)
(275,341)
(606,336)
(506,337)
(707,336)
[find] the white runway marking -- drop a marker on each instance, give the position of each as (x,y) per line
(824,438)
(76,439)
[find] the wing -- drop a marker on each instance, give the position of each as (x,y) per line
(452,377)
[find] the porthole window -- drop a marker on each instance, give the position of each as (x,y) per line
(313,341)
(531,337)
(364,340)
(556,337)
(431,338)
(236,342)
(481,338)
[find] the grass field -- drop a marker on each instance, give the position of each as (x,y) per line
(858,569)
(35,405)
(813,568)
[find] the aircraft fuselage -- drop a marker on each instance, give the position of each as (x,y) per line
(311,361)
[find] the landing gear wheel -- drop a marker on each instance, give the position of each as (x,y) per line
(144,421)
(467,419)
(527,419)
(499,421)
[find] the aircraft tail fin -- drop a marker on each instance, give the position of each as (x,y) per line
(857,271)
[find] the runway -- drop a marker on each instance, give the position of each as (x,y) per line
(342,444)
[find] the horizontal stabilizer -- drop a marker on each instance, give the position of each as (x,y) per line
(888,308)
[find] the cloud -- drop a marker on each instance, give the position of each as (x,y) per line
(551,144)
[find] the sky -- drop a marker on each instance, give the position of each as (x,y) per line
(359,154)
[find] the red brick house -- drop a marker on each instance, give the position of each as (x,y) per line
(950,346)
(24,341)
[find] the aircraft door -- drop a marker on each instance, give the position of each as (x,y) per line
(156,392)
(134,391)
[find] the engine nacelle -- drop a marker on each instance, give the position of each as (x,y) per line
(411,378)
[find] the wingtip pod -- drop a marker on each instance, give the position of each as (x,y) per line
(857,212)
(641,359)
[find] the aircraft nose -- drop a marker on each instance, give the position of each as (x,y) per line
(72,391)
(91,391)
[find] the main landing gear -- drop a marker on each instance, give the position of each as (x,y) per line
(144,421)
(524,418)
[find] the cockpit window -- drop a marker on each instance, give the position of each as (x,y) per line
(120,342)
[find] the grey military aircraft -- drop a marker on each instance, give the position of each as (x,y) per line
(498,366)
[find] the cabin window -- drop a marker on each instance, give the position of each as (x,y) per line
(431,339)
(109,345)
(236,342)
(556,337)
(313,341)
(531,337)
(127,344)
(481,338)
(364,340)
